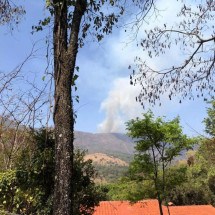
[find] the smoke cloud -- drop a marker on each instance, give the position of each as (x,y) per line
(120,106)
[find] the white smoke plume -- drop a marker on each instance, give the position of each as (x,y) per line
(120,106)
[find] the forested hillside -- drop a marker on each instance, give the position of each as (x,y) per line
(107,143)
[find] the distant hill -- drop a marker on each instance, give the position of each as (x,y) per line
(115,144)
(110,153)
(109,168)
(105,160)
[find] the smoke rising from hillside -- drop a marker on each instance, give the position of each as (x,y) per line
(120,106)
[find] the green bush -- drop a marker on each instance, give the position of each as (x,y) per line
(191,194)
(29,188)
(12,197)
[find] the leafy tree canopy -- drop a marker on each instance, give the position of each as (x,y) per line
(158,143)
(29,187)
(210,119)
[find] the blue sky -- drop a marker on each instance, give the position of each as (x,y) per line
(107,100)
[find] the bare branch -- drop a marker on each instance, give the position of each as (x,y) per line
(196,35)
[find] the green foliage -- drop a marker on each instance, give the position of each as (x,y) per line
(211,183)
(118,190)
(11,140)
(198,187)
(97,22)
(191,194)
(7,188)
(13,198)
(110,173)
(126,189)
(185,183)
(29,188)
(206,152)
(210,119)
(175,176)
(199,179)
(156,134)
(86,193)
(158,142)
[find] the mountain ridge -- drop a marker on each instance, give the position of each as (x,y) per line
(107,143)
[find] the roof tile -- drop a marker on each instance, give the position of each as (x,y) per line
(149,207)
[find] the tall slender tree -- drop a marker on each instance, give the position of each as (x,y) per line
(159,142)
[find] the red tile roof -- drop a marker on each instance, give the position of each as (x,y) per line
(149,207)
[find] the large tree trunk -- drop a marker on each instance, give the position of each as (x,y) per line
(65,53)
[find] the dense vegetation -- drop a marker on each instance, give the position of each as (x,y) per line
(110,173)
(27,188)
(158,143)
(187,181)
